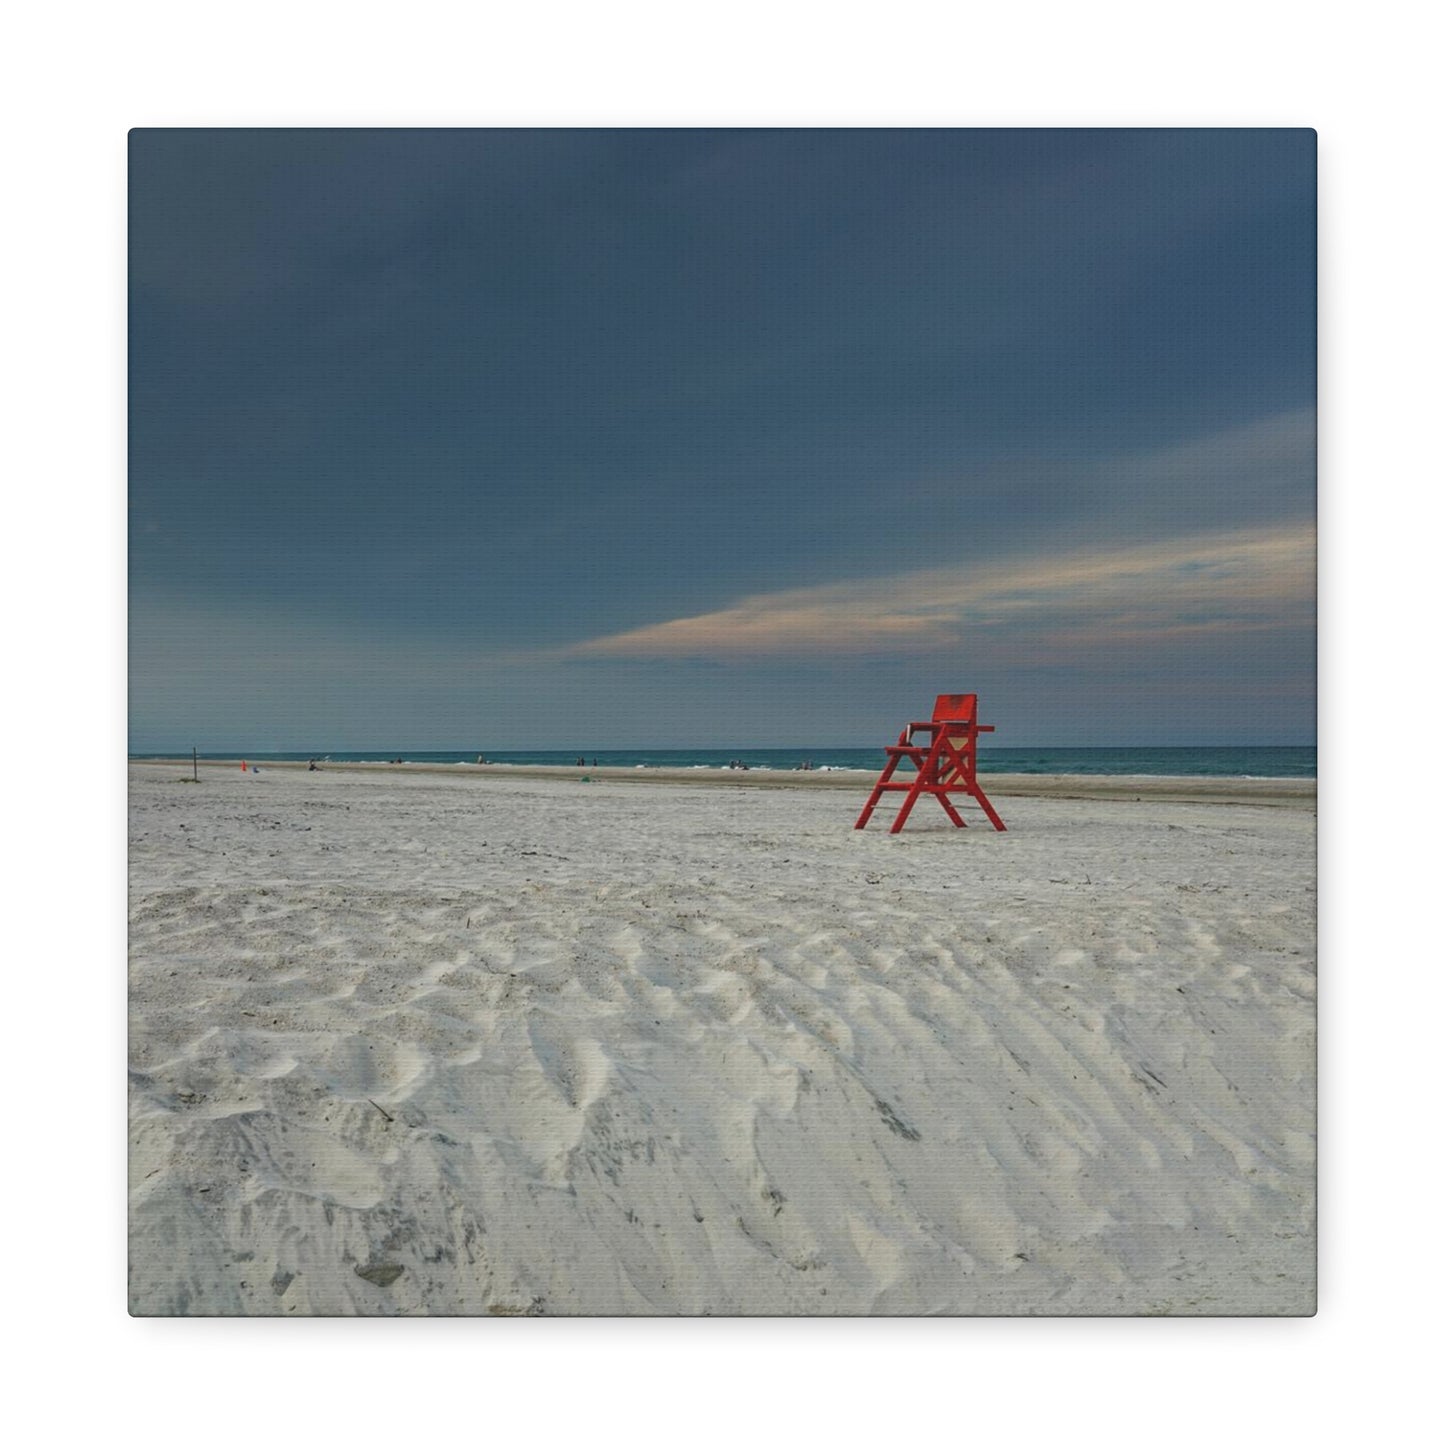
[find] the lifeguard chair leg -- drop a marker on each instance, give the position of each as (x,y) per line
(909,799)
(868,807)
(879,788)
(952,812)
(987,807)
(924,782)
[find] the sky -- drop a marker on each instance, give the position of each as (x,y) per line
(496,439)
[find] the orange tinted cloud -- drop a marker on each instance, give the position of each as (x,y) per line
(1156,592)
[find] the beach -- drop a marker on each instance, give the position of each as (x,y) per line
(412,1040)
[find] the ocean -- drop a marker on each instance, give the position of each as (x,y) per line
(1200,762)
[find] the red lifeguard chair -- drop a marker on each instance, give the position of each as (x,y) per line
(947,764)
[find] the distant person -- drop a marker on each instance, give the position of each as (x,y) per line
(311,766)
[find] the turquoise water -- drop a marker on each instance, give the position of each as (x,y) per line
(1203,762)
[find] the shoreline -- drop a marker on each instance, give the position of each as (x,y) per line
(1263,792)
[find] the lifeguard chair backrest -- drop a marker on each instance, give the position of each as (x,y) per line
(956,707)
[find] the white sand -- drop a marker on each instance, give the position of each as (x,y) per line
(418,1044)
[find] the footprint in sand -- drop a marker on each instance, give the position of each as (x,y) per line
(356,1067)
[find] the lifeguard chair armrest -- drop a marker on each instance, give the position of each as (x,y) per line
(954,727)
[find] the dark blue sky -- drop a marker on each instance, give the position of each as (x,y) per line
(596,438)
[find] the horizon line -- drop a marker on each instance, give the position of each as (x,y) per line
(710,747)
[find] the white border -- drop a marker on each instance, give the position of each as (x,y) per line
(81,75)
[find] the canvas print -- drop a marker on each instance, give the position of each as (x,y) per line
(721,722)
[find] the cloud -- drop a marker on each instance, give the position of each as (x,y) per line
(1176,593)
